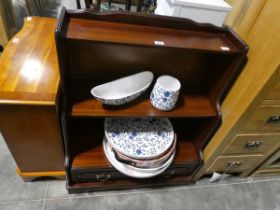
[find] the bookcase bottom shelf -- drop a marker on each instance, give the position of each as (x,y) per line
(128,184)
(95,157)
(90,170)
(91,166)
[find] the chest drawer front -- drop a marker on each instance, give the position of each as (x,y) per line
(235,163)
(252,144)
(264,119)
(274,94)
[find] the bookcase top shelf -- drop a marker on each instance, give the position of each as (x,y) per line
(123,33)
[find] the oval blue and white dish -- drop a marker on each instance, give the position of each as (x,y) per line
(123,90)
(139,138)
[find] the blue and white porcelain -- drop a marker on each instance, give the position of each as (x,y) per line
(123,90)
(165,93)
(139,138)
(145,163)
(131,170)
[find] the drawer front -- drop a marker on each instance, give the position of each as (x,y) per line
(252,144)
(272,162)
(274,94)
(267,172)
(265,118)
(103,175)
(95,175)
(235,163)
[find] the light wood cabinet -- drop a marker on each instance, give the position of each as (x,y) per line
(274,94)
(252,140)
(233,164)
(8,21)
(252,144)
(266,118)
(3,28)
(29,82)
(252,107)
(270,167)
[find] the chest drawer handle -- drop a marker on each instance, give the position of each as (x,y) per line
(253,144)
(234,164)
(103,177)
(273,119)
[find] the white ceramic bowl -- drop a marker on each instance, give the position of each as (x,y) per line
(123,90)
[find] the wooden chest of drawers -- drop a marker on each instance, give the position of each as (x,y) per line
(230,164)
(256,136)
(271,167)
(250,131)
(252,144)
(265,119)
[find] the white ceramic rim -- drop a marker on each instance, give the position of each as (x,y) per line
(131,94)
(133,171)
(137,157)
(164,81)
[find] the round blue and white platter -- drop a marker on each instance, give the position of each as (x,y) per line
(140,138)
(134,171)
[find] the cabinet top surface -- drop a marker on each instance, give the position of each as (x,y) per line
(29,72)
(102,31)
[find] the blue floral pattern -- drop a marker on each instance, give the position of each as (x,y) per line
(140,138)
(162,99)
(120,101)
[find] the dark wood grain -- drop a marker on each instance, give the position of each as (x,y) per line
(92,30)
(128,184)
(87,135)
(187,106)
(95,157)
(33,136)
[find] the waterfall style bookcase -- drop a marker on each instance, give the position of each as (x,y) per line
(94,48)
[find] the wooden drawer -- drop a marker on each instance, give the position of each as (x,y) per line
(271,167)
(265,118)
(274,94)
(235,163)
(103,175)
(273,162)
(267,173)
(252,144)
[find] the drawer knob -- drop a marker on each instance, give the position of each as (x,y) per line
(253,144)
(273,119)
(234,164)
(103,177)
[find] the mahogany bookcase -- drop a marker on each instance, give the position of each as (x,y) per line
(94,48)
